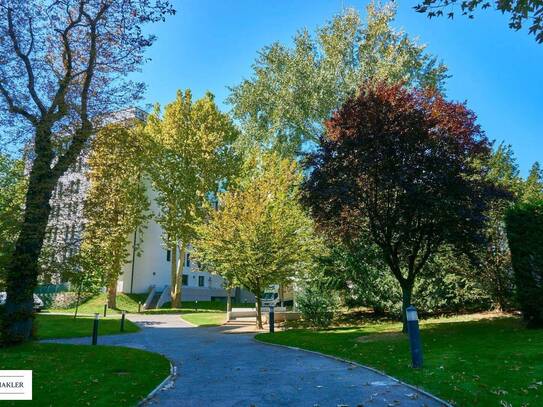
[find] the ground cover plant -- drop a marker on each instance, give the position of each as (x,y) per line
(490,362)
(86,375)
(205,318)
(66,326)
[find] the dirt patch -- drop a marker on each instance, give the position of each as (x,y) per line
(380,337)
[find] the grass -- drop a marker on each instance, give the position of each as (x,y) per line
(205,318)
(487,362)
(125,302)
(129,303)
(65,326)
(86,375)
(201,306)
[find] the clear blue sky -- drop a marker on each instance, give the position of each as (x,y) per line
(211,44)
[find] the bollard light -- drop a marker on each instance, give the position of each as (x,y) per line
(412,314)
(95,329)
(414,336)
(123,316)
(196,305)
(105,310)
(272,319)
(139,307)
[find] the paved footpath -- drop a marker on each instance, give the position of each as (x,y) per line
(215,369)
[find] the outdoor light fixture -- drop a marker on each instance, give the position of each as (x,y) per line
(412,314)
(414,336)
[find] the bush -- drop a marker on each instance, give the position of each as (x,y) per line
(524,224)
(317,306)
(449,283)
(63,300)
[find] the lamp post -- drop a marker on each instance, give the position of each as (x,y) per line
(272,319)
(95,329)
(414,336)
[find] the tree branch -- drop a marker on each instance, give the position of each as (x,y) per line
(26,60)
(17,109)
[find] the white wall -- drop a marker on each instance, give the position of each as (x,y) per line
(153,268)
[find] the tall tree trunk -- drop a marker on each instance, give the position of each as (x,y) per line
(112,294)
(407,291)
(180,265)
(229,299)
(258,312)
(174,284)
(22,269)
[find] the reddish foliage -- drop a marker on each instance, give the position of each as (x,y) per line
(396,167)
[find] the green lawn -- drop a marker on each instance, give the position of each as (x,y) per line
(488,362)
(205,318)
(200,306)
(65,326)
(129,303)
(125,302)
(72,375)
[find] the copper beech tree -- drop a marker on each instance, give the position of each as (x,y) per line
(63,67)
(396,167)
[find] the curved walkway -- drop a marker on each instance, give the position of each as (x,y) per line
(234,370)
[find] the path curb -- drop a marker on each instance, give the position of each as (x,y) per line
(418,389)
(167,381)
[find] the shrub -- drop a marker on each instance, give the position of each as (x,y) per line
(524,224)
(449,283)
(317,305)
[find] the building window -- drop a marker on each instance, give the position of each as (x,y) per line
(185,280)
(201,281)
(168,255)
(187,260)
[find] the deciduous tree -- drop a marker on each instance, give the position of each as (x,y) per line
(63,65)
(12,192)
(294,90)
(395,166)
(116,203)
(525,234)
(191,158)
(521,12)
(260,235)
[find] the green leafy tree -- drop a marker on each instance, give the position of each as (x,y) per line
(260,235)
(493,260)
(12,191)
(533,187)
(63,64)
(116,203)
(520,12)
(190,158)
(395,166)
(525,233)
(294,90)
(317,305)
(447,283)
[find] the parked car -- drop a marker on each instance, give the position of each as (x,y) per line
(38,303)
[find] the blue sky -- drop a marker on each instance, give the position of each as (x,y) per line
(211,44)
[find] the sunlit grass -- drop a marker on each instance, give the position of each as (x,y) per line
(467,360)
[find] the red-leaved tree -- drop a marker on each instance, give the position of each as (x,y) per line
(396,167)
